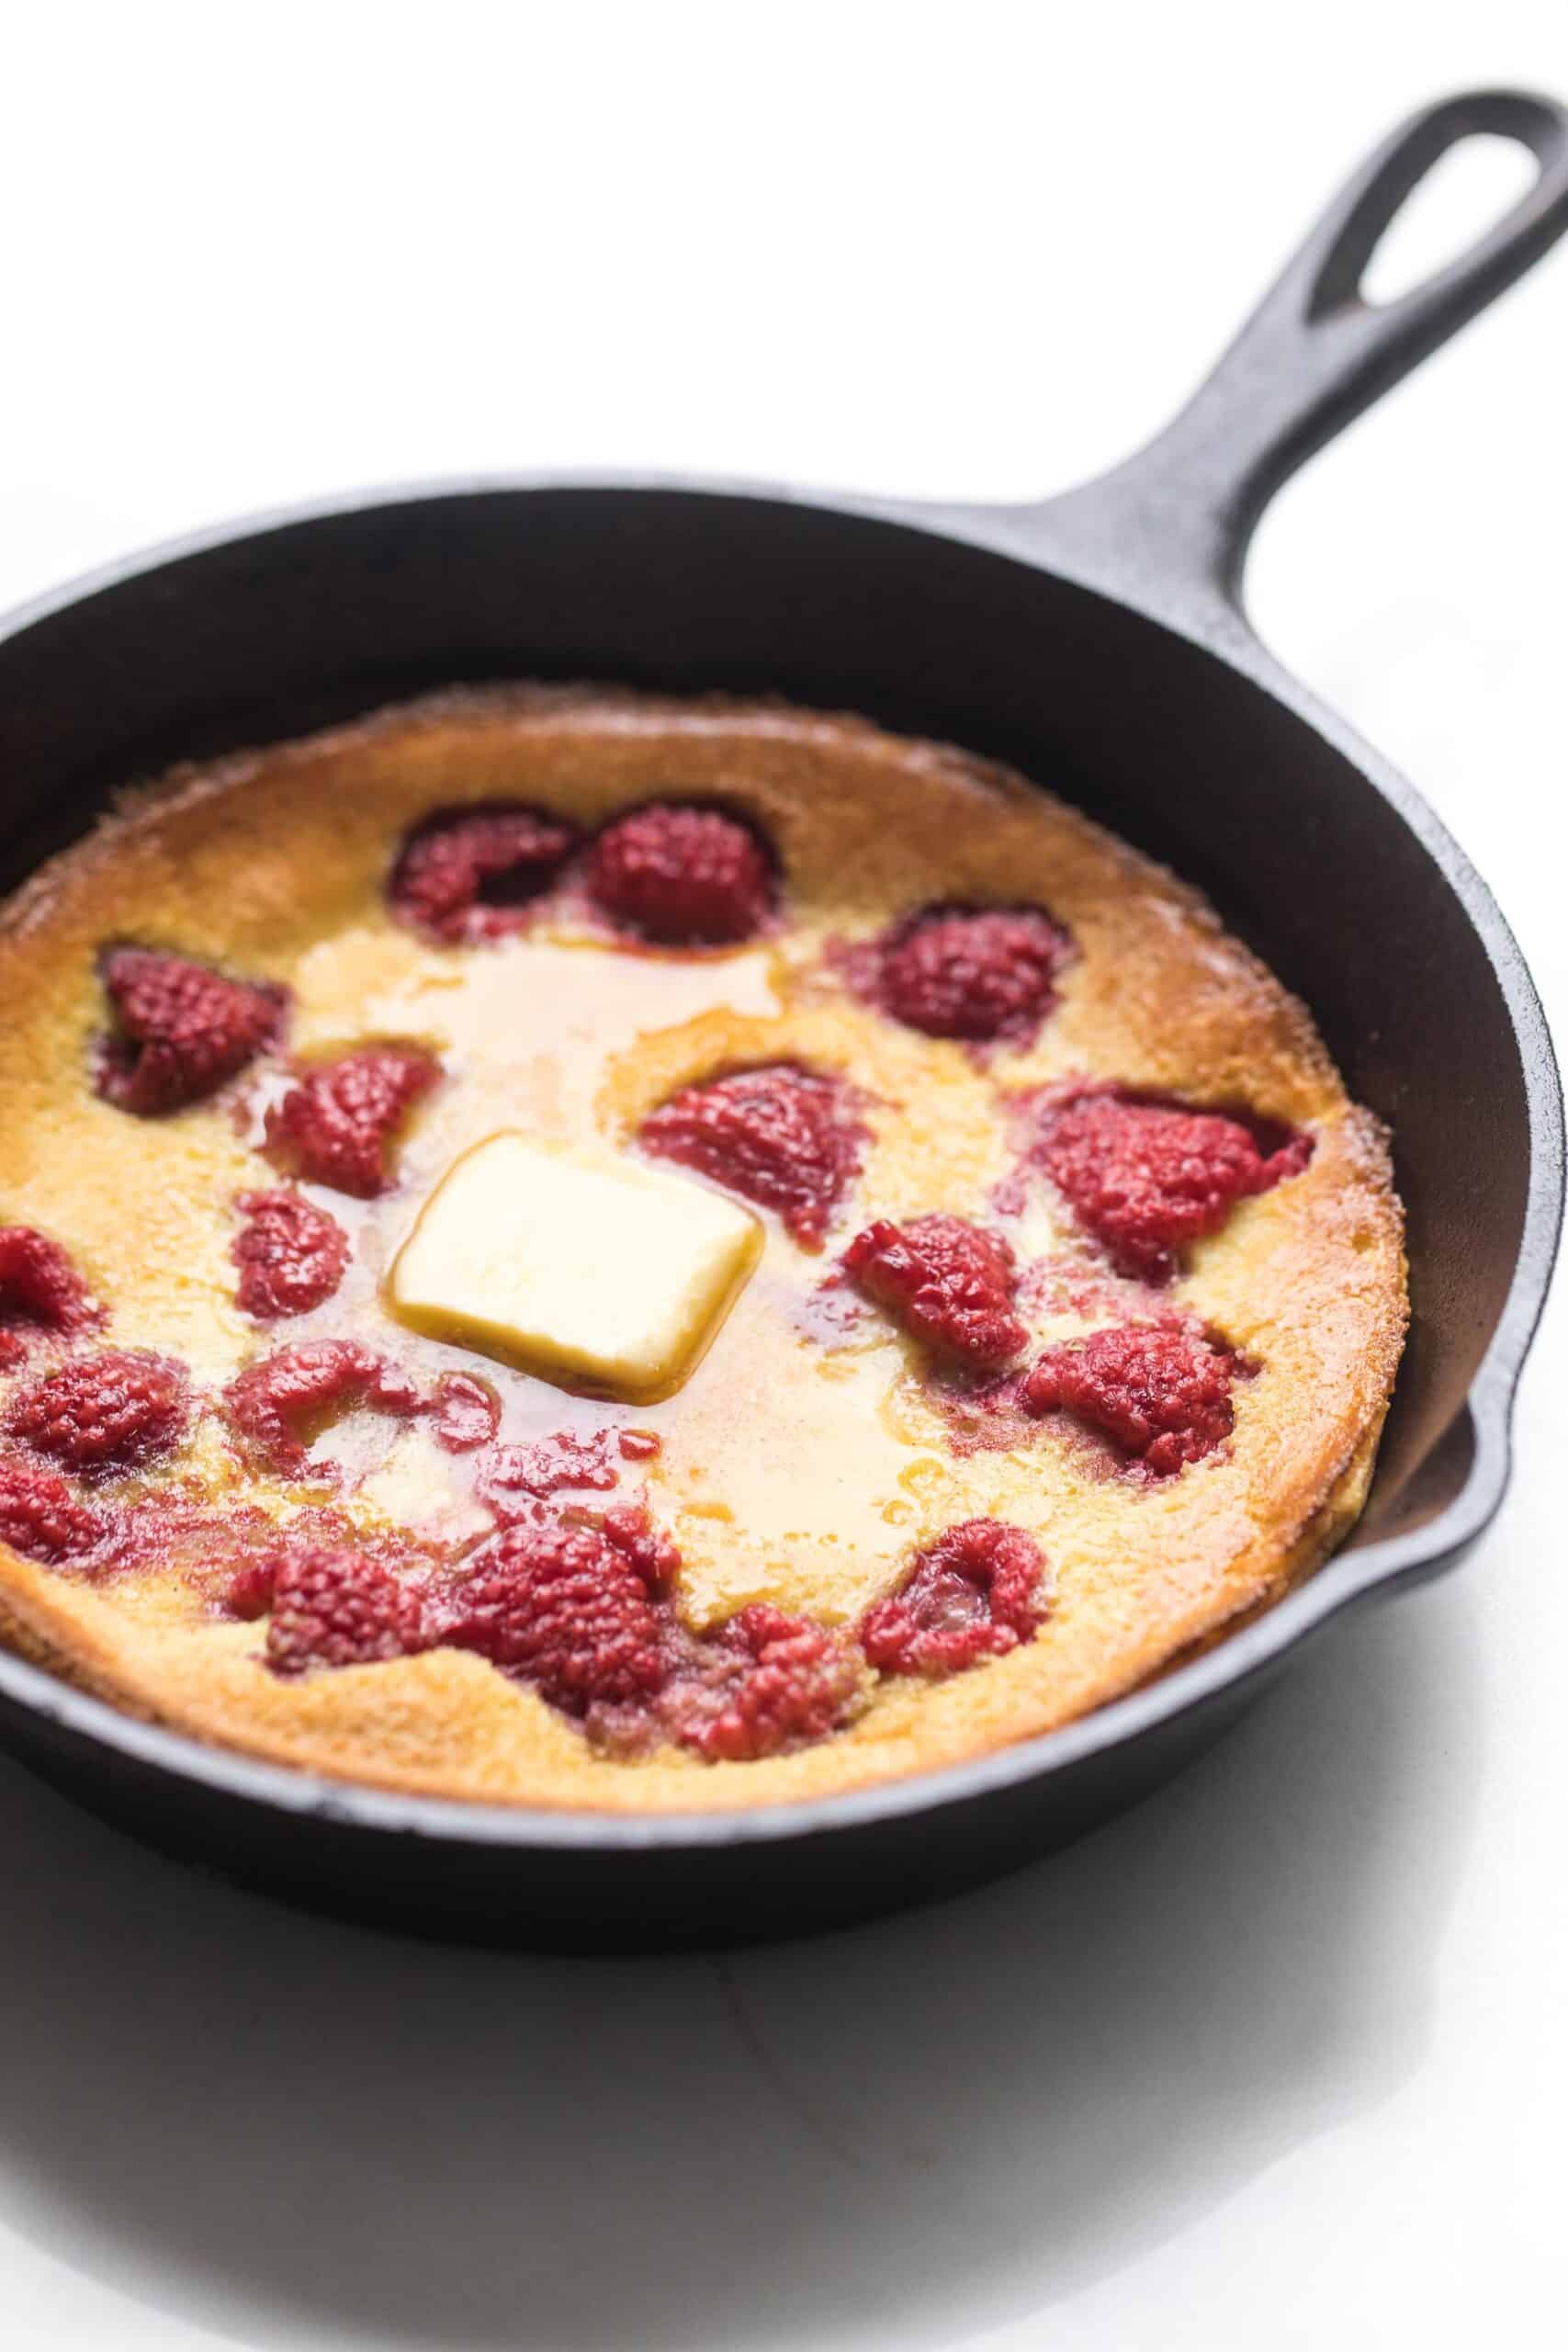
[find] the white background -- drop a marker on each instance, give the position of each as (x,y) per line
(1279,2060)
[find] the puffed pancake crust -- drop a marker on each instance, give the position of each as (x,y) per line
(1080,1297)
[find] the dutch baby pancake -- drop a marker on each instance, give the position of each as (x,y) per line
(567,1248)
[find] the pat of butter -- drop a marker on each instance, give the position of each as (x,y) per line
(592,1272)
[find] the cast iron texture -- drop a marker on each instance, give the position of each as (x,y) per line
(1098,642)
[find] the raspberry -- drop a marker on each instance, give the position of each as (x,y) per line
(777,1136)
(248,1594)
(470,874)
(567,1611)
(1148,1178)
(978,973)
(40,1291)
(518,1476)
(766,1682)
(291,1255)
(281,1403)
(333,1605)
(465,1412)
(1159,1389)
(949,1282)
(685,877)
(41,1519)
(104,1414)
(581,1614)
(184,1029)
(337,1121)
(650,1552)
(975,1593)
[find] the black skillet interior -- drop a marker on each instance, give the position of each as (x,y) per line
(1124,675)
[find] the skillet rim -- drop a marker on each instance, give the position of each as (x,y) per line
(1213,625)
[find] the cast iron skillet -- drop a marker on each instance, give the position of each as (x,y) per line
(1096,641)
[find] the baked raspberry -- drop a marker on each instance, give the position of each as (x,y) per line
(282,1403)
(337,1121)
(778,1135)
(334,1605)
(183,1030)
(40,1291)
(104,1414)
(650,1551)
(685,876)
(1161,1390)
(471,874)
(567,1611)
(1148,1178)
(979,973)
(248,1593)
(973,1594)
(465,1412)
(291,1255)
(516,1476)
(765,1682)
(950,1284)
(40,1517)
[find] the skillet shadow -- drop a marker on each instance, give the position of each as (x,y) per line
(290,2130)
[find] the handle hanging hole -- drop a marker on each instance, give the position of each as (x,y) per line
(1464,193)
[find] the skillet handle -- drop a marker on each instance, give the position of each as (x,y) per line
(1170,527)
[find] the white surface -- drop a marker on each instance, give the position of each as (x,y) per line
(1280,2060)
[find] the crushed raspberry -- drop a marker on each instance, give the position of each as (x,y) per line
(471,874)
(516,1476)
(973,1594)
(650,1552)
(336,1124)
(638,1445)
(1050,1288)
(291,1255)
(685,877)
(40,1517)
(566,1610)
(40,1290)
(183,1030)
(282,1403)
(179,1527)
(104,1414)
(335,1605)
(979,973)
(762,1683)
(229,1551)
(1161,1390)
(984,1416)
(778,1135)
(465,1412)
(1149,1178)
(949,1282)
